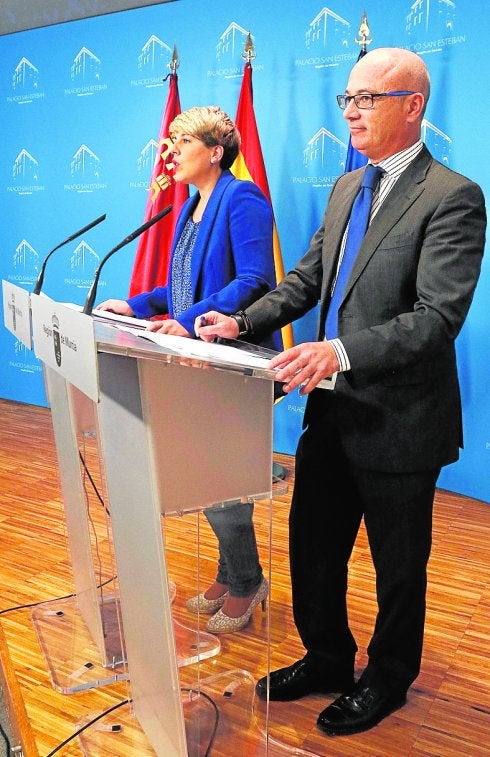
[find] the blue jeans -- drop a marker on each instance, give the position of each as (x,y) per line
(238,564)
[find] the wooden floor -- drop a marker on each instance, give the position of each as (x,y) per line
(448,710)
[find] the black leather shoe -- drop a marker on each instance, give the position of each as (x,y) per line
(360,709)
(300,679)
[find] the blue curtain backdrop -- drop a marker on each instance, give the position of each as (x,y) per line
(81,105)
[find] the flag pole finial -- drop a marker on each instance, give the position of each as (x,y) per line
(364,33)
(174,63)
(248,51)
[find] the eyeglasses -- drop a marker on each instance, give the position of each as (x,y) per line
(365,101)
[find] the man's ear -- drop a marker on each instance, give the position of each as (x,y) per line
(416,106)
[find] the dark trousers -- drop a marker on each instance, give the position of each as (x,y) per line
(331,496)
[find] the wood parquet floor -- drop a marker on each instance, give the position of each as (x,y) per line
(448,710)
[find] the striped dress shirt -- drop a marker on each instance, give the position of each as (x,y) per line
(393,167)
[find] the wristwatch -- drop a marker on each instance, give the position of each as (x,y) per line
(244,325)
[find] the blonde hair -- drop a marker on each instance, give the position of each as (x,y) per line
(212,126)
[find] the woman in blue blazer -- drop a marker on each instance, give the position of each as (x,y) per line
(221,259)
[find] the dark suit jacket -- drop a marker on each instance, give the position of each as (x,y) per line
(232,260)
(398,408)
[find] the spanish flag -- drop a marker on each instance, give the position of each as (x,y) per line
(250,165)
(150,268)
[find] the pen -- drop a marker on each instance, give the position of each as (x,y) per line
(203,321)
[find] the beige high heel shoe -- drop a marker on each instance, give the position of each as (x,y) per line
(200,603)
(221,623)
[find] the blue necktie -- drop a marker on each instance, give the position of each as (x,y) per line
(358,223)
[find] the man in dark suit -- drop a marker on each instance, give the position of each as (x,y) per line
(374,445)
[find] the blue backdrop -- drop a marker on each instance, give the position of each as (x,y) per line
(81,105)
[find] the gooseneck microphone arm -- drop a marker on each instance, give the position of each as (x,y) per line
(89,302)
(40,278)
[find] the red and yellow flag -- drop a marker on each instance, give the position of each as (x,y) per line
(250,165)
(151,263)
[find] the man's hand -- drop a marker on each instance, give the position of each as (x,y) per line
(120,307)
(169,326)
(213,324)
(305,365)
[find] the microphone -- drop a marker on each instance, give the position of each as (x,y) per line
(89,302)
(40,278)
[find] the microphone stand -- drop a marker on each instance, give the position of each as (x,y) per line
(89,302)
(40,278)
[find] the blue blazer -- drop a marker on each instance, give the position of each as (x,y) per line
(232,260)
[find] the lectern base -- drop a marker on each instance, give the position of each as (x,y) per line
(218,713)
(73,659)
(219,720)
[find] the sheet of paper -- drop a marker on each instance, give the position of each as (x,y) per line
(198,348)
(106,315)
(115,318)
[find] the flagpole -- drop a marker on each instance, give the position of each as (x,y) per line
(364,33)
(150,267)
(248,54)
(250,161)
(354,159)
(174,63)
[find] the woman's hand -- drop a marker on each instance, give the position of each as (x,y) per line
(120,307)
(168,326)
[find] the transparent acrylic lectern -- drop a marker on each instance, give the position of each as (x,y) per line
(176,432)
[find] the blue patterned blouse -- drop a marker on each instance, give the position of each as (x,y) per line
(181,268)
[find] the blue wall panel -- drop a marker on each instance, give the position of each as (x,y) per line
(81,102)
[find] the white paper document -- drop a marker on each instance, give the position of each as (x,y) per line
(215,351)
(114,318)
(197,348)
